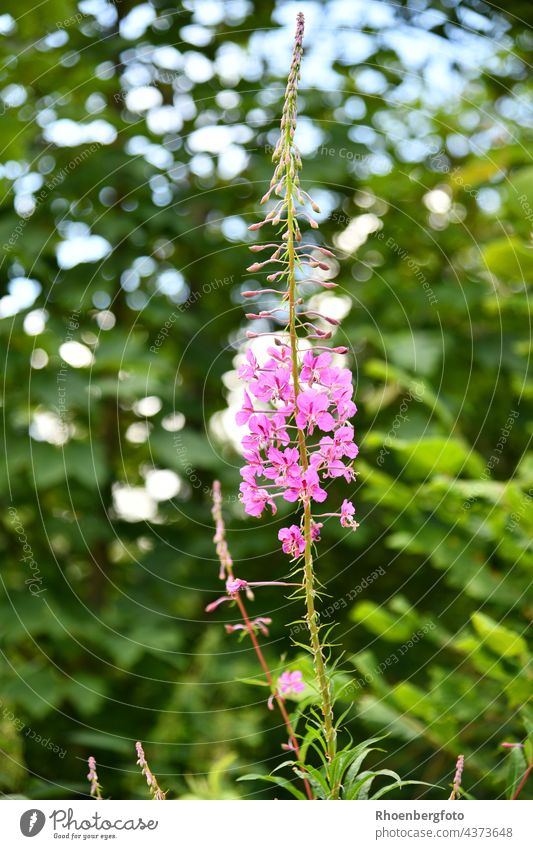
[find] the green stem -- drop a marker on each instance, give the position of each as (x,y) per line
(321,673)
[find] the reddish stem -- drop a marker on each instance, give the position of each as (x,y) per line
(279,701)
(522,782)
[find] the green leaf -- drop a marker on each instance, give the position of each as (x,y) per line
(274,779)
(400,785)
(381,622)
(500,639)
(516,768)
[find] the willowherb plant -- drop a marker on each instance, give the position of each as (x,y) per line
(297,409)
(298,402)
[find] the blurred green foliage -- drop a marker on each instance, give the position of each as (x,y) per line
(422,165)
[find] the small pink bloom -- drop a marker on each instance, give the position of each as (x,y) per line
(285,465)
(315,530)
(255,499)
(328,456)
(337,379)
(344,438)
(246,410)
(313,367)
(345,410)
(266,431)
(255,463)
(273,386)
(291,683)
(281,357)
(312,410)
(234,585)
(248,370)
(292,540)
(347,515)
(305,488)
(279,429)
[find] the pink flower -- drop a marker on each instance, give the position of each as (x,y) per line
(246,410)
(259,624)
(291,683)
(345,446)
(274,386)
(255,499)
(255,464)
(279,432)
(266,431)
(312,407)
(345,410)
(313,367)
(281,357)
(328,456)
(292,540)
(347,513)
(305,488)
(248,370)
(315,530)
(337,379)
(285,465)
(235,585)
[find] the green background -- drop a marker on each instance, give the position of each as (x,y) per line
(419,152)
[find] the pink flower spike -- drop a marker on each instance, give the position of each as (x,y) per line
(151,780)
(92,777)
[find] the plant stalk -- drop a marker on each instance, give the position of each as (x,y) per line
(319,663)
(278,699)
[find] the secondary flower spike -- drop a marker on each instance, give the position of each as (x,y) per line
(151,780)
(92,777)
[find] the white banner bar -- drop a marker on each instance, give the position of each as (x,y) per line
(264,825)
